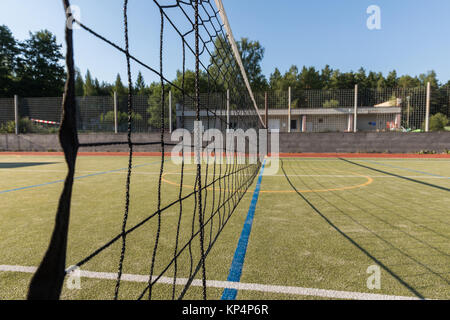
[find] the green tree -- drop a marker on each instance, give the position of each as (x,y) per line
(252,53)
(89,85)
(39,68)
(290,79)
(372,79)
(381,83)
(79,84)
(280,84)
(8,54)
(392,80)
(139,87)
(361,78)
(223,64)
(188,85)
(119,87)
(331,103)
(154,109)
(341,80)
(325,77)
(431,77)
(408,82)
(96,86)
(309,78)
(276,79)
(443,96)
(348,80)
(122,120)
(438,122)
(104,88)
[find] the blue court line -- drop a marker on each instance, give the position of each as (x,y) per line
(407,169)
(241,250)
(76,178)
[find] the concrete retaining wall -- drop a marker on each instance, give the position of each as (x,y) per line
(365,142)
(390,142)
(50,142)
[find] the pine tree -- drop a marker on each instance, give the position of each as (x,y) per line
(89,86)
(392,79)
(79,84)
(140,84)
(275,80)
(326,77)
(119,87)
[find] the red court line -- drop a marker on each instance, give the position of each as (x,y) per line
(365,155)
(282,155)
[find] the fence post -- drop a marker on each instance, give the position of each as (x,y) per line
(289,111)
(427,111)
(228,109)
(350,123)
(355,116)
(408,98)
(116,104)
(266,105)
(304,128)
(170,111)
(16,113)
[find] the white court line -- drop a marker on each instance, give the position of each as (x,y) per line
(334,294)
(353,176)
(80,172)
(193,174)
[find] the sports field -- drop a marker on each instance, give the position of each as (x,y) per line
(319,224)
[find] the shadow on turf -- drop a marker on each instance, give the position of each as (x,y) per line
(396,175)
(397,277)
(403,252)
(15,165)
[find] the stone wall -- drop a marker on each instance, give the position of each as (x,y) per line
(390,142)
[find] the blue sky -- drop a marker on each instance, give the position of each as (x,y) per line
(413,38)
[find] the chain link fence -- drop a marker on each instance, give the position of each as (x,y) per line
(440,101)
(412,102)
(399,109)
(317,99)
(7,123)
(322,110)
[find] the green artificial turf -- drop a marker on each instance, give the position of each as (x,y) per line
(322,230)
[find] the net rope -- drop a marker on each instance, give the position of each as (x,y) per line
(218,188)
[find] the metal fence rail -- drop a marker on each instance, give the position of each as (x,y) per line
(361,109)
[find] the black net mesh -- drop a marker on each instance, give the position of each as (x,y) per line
(209,199)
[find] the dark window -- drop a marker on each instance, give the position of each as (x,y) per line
(294,125)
